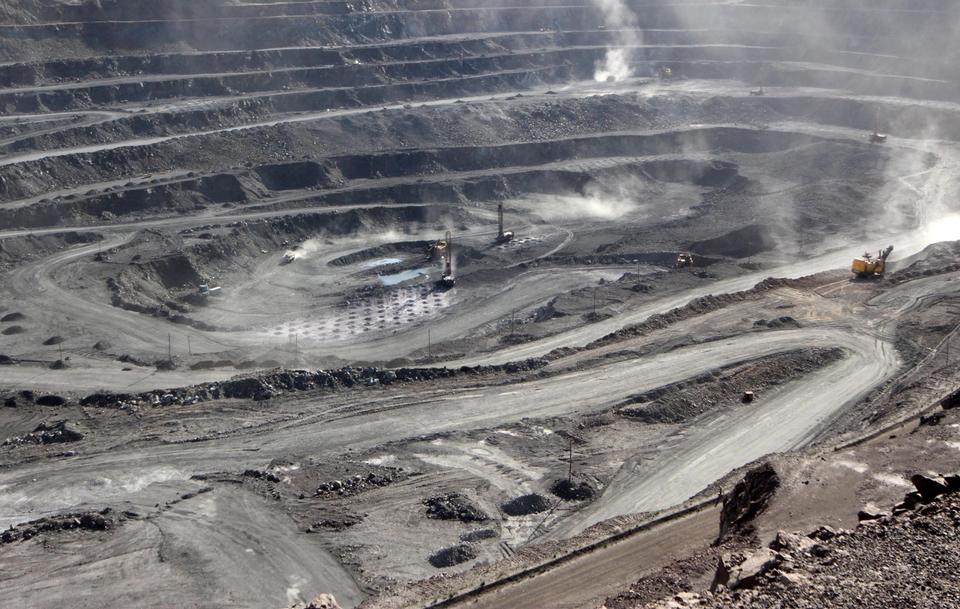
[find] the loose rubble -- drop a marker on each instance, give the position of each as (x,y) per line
(454,506)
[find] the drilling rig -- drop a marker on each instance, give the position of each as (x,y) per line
(502,237)
(447,280)
(876,137)
(868,267)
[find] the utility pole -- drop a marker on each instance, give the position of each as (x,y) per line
(638,275)
(429,344)
(169,348)
(570,470)
(189,347)
(594,302)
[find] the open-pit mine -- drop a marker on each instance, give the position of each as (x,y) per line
(459,303)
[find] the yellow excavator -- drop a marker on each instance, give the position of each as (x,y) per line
(868,266)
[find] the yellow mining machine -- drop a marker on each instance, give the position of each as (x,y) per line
(868,266)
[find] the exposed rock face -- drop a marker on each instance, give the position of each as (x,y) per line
(748,499)
(910,560)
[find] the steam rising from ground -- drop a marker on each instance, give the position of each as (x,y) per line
(616,63)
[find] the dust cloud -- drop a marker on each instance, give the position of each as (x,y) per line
(611,199)
(616,63)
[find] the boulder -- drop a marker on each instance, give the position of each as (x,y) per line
(870,513)
(929,487)
(324,601)
(791,542)
(953,482)
(738,571)
(824,533)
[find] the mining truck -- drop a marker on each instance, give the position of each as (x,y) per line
(684,260)
(664,73)
(868,266)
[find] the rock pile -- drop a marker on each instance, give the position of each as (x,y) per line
(54,433)
(479,535)
(90,521)
(525,505)
(909,558)
(776,323)
(569,490)
(454,506)
(453,555)
(357,484)
(272,384)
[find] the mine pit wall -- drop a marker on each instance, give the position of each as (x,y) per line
(873,30)
(15,251)
(100,166)
(32,178)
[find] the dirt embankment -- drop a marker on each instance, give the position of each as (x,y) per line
(273,384)
(685,400)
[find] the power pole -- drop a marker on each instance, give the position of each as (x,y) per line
(189,347)
(570,470)
(169,348)
(429,344)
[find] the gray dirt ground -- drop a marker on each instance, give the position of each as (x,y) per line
(279,436)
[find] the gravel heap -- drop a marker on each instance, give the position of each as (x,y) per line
(569,490)
(479,535)
(90,521)
(454,555)
(454,506)
(526,504)
(53,433)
